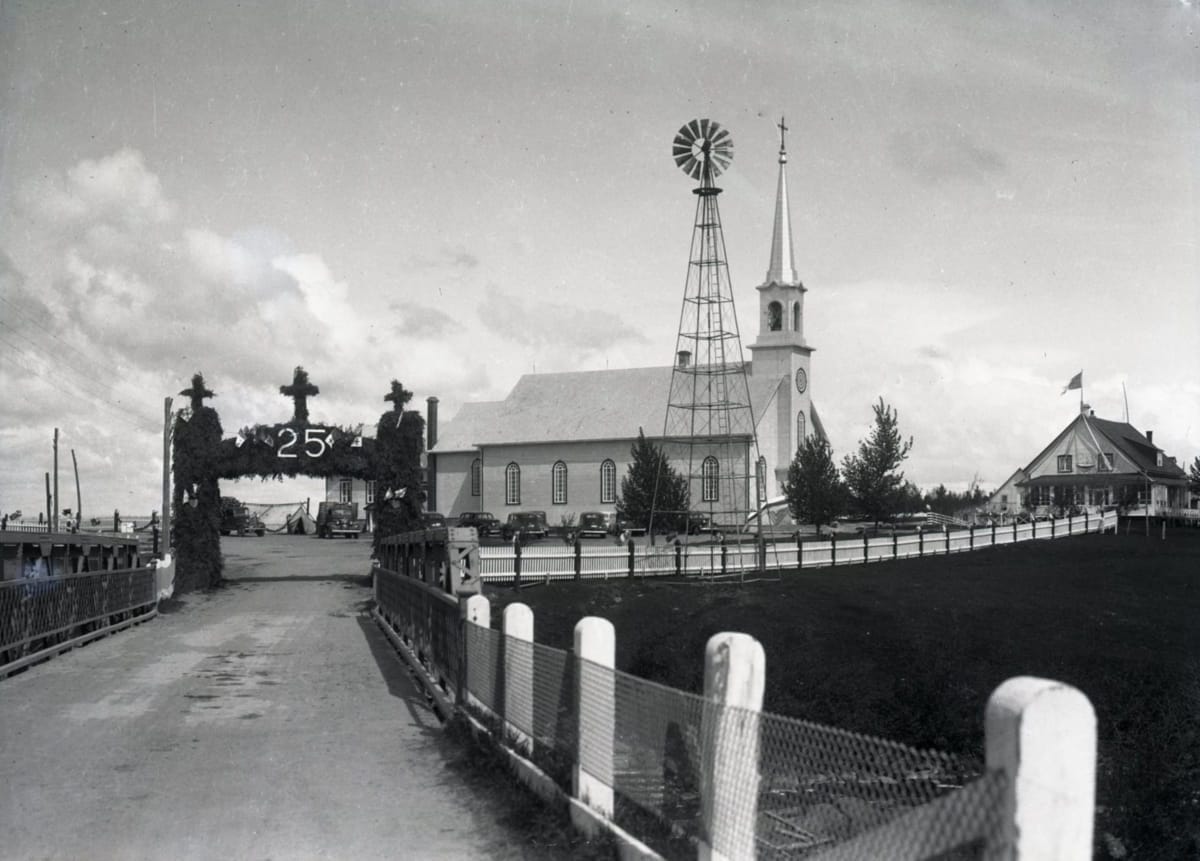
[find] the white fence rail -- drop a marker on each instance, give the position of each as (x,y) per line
(548,562)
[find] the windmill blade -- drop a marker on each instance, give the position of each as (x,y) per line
(692,168)
(694,128)
(720,137)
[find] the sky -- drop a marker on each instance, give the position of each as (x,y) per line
(986,198)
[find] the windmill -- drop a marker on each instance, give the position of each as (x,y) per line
(709,425)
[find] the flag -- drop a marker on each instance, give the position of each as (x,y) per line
(1076,383)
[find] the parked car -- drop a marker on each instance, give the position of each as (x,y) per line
(593,524)
(432,520)
(530,524)
(236,519)
(338,518)
(484,522)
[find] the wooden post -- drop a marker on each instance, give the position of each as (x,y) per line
(166,476)
(516,564)
(578,558)
(678,558)
(832,550)
(800,549)
(78,495)
(518,675)
(1042,734)
(54,509)
(971,529)
(866,548)
(630,557)
(595,653)
(920,542)
(475,610)
(734,679)
(49,503)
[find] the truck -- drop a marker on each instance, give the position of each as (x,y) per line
(338,518)
(236,519)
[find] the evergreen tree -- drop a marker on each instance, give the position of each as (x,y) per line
(813,488)
(872,475)
(649,466)
(196,498)
(1194,477)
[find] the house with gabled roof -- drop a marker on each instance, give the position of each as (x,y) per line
(561,442)
(1097,462)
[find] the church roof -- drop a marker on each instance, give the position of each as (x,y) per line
(577,406)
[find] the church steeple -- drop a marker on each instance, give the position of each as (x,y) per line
(782,268)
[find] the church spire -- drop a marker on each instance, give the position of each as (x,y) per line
(782,269)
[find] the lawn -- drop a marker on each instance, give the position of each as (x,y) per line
(910,650)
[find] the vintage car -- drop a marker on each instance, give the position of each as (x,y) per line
(484,522)
(338,518)
(528,524)
(237,520)
(593,524)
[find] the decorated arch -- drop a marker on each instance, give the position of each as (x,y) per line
(297,447)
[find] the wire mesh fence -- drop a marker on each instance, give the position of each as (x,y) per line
(38,614)
(795,788)
(427,618)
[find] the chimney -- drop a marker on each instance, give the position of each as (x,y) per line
(1150,437)
(431,422)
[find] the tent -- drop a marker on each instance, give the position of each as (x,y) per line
(300,522)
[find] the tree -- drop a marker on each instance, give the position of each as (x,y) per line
(652,487)
(399,441)
(872,475)
(1194,477)
(814,489)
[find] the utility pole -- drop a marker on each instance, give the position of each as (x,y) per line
(166,478)
(54,510)
(49,504)
(78,495)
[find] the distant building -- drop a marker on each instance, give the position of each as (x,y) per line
(561,442)
(1094,463)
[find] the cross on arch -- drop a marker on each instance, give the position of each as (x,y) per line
(399,396)
(299,391)
(197,392)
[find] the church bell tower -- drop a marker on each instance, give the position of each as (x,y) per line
(780,349)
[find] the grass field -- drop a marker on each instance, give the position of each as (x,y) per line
(910,650)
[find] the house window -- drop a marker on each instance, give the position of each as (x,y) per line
(762,479)
(709,487)
(370,492)
(346,490)
(1106,461)
(1004,497)
(799,429)
(1064,463)
(608,482)
(774,316)
(476,477)
(512,484)
(558,482)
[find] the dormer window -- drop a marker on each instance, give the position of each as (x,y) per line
(774,317)
(1064,463)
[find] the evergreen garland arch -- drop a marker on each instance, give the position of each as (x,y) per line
(297,447)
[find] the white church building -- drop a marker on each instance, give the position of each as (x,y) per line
(560,442)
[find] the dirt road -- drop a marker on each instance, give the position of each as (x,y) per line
(269,719)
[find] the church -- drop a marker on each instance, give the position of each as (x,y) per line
(560,442)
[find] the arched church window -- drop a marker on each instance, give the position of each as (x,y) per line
(799,429)
(710,490)
(512,484)
(558,483)
(762,479)
(476,477)
(795,316)
(608,482)
(774,316)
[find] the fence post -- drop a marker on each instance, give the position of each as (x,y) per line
(800,550)
(866,555)
(920,542)
(475,610)
(518,675)
(895,545)
(595,651)
(578,558)
(724,556)
(678,558)
(734,678)
(993,533)
(516,564)
(1014,530)
(1085,521)
(971,543)
(1042,734)
(832,550)
(630,557)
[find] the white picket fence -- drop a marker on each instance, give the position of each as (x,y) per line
(601,562)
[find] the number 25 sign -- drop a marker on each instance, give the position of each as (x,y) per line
(315,443)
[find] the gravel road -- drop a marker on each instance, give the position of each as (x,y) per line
(269,719)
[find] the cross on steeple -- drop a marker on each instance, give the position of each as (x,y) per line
(197,392)
(299,391)
(783,130)
(399,396)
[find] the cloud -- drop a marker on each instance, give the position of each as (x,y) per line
(419,321)
(117,188)
(540,324)
(944,153)
(452,257)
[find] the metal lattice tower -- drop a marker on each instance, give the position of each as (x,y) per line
(709,423)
